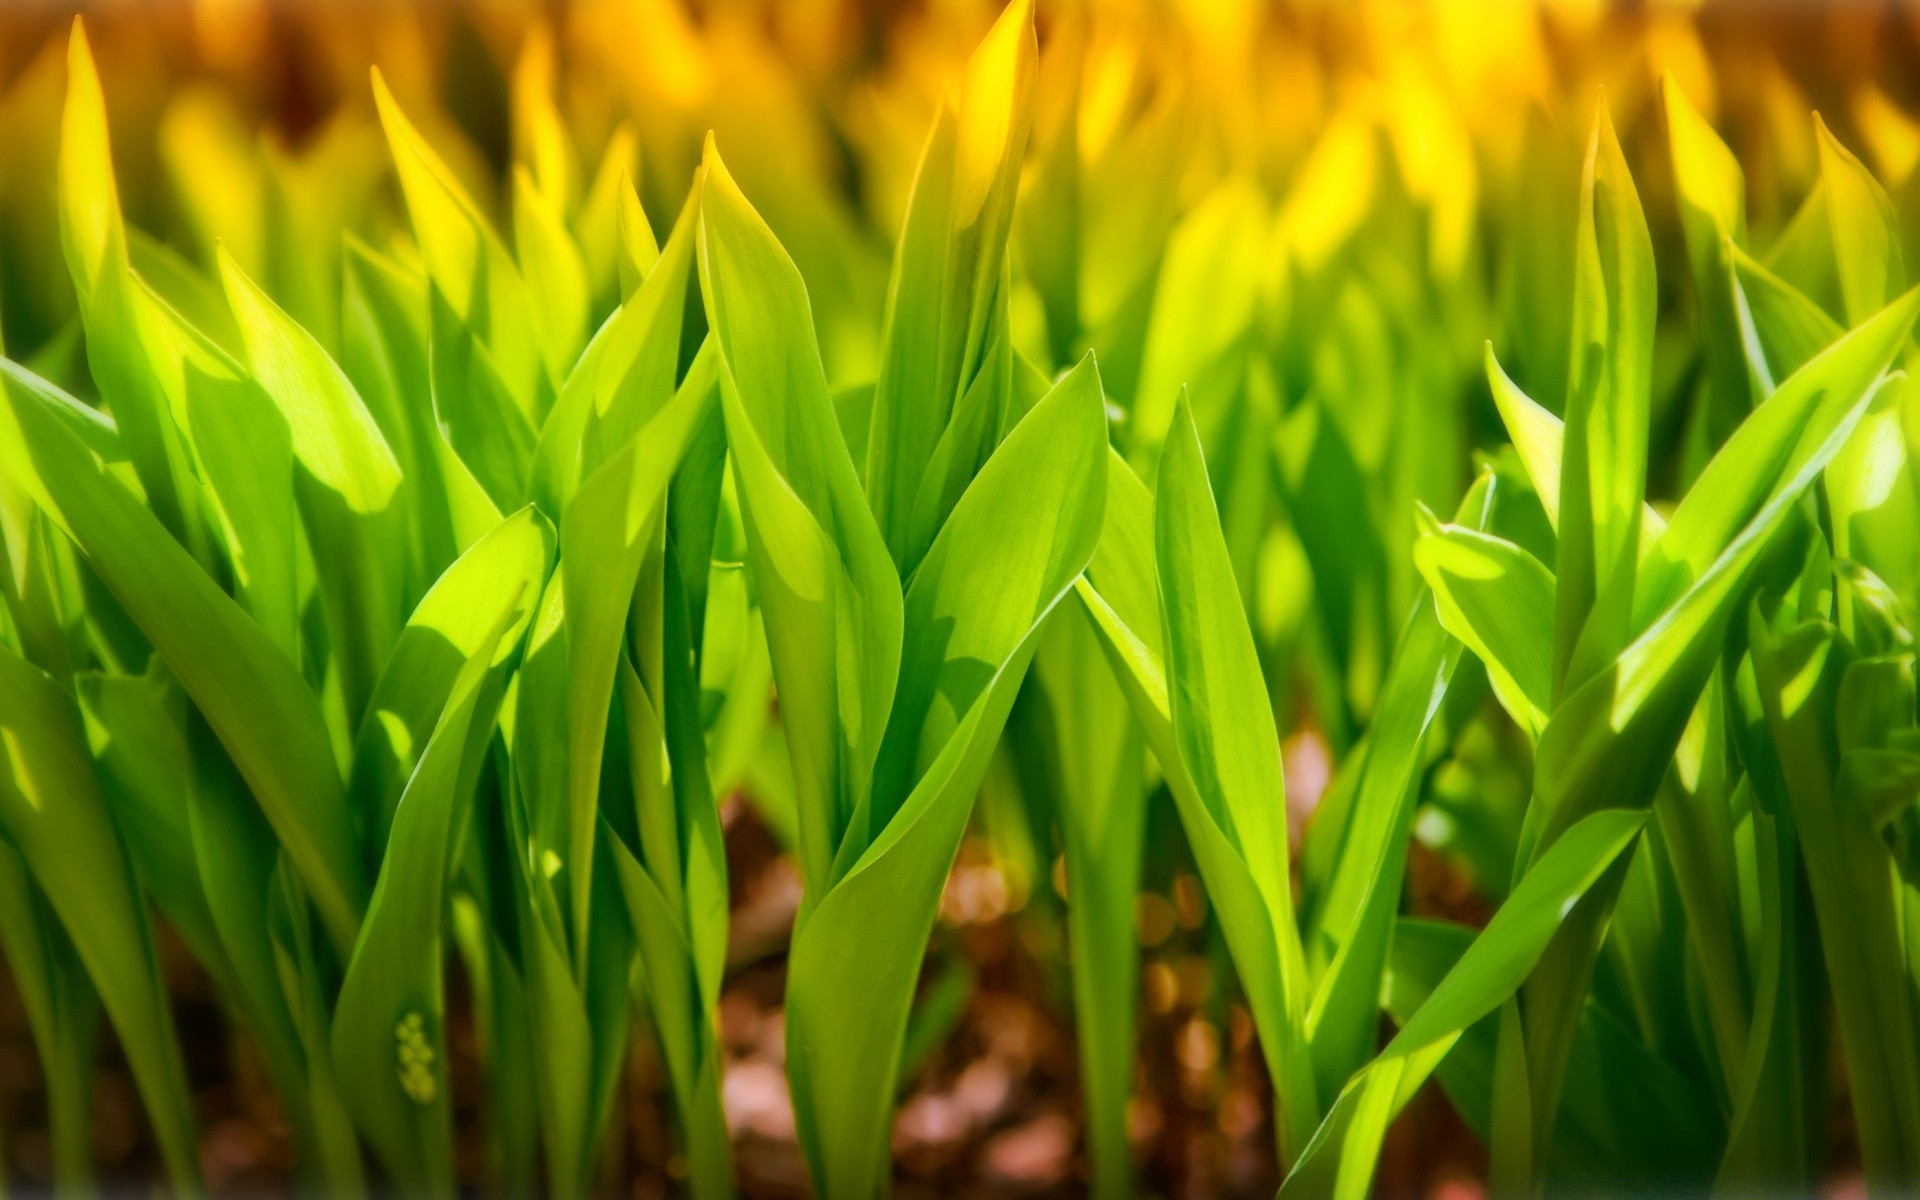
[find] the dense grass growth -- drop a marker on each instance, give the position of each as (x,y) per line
(410,543)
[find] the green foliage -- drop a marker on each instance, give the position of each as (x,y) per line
(415,605)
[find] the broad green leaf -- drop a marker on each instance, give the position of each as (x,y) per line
(1539,438)
(334,436)
(389,1025)
(1866,237)
(828,589)
(246,462)
(973,615)
(445,630)
(94,238)
(1221,724)
(1238,836)
(608,529)
(1498,600)
(1607,742)
(184,288)
(1609,394)
(1341,1158)
(976,424)
(1768,462)
(349,487)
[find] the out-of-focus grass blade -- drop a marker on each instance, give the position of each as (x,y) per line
(1204,302)
(1809,684)
(1353,925)
(62,1012)
(947,271)
(237,858)
(597,224)
(639,248)
(1712,194)
(206,857)
(138,729)
(675,878)
(555,274)
(53,812)
(469,266)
